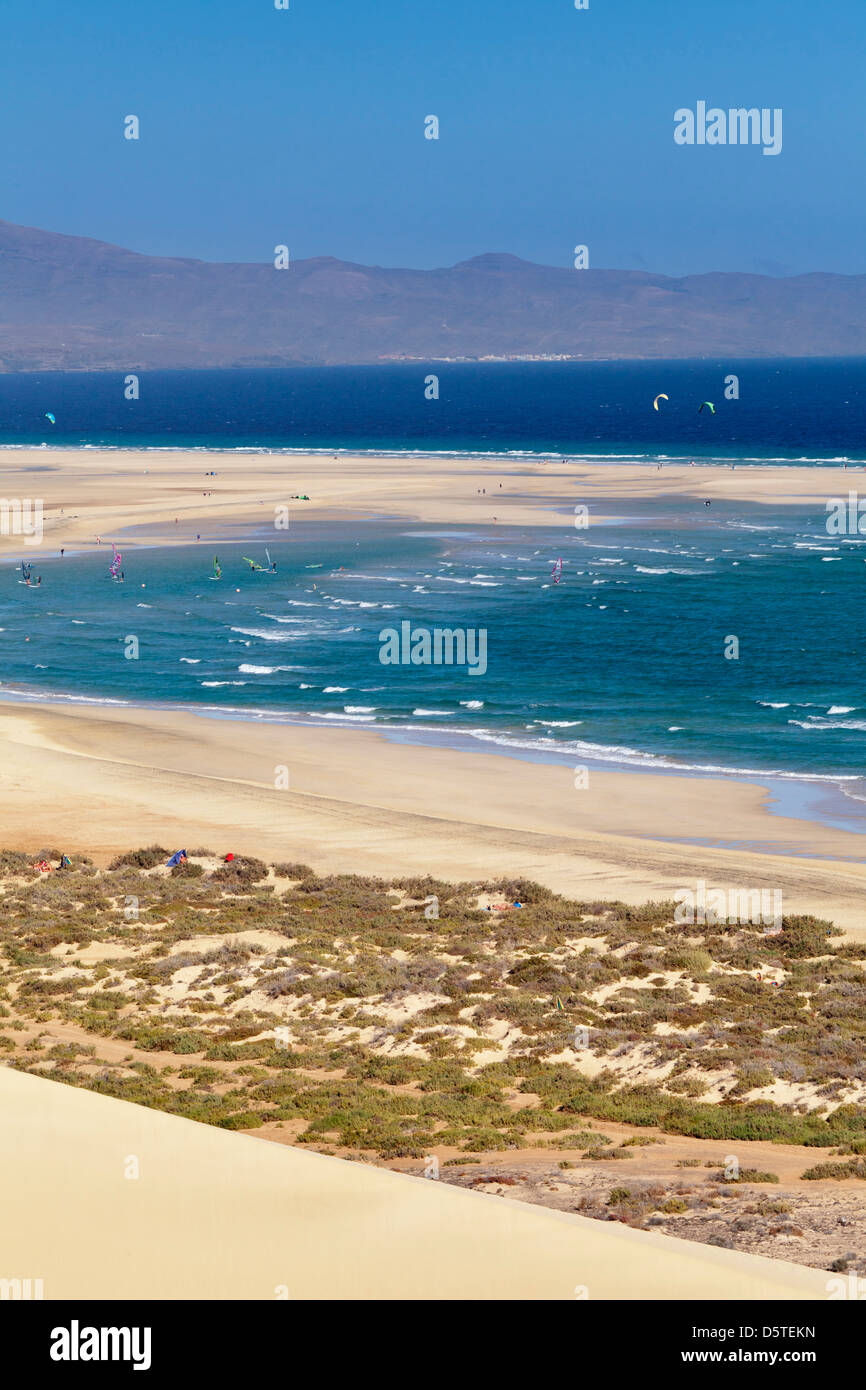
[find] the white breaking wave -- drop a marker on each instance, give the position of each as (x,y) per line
(652,569)
(814,727)
(479,583)
(277,619)
(247,670)
(634,757)
(355,718)
(268,635)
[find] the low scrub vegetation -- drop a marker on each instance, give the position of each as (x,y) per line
(334,1008)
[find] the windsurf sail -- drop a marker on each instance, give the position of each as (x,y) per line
(217,571)
(260,569)
(556,572)
(114,567)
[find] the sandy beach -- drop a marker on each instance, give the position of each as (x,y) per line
(99,781)
(166,497)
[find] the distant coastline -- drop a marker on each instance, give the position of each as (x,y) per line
(73,303)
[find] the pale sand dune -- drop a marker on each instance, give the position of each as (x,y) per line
(98,782)
(109,494)
(219,1215)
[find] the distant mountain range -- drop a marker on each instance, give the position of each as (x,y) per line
(70,303)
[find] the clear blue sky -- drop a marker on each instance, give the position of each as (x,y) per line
(305,126)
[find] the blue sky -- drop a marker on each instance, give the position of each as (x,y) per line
(306,127)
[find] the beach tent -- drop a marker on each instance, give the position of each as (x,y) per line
(178,858)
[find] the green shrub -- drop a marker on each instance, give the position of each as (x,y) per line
(854,1168)
(186,869)
(245,1119)
(749,1175)
(618,1195)
(141,858)
(294,871)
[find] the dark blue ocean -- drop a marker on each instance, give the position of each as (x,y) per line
(622,662)
(811,410)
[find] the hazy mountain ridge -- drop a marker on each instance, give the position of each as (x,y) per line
(74,303)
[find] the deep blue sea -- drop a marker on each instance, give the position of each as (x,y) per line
(812,410)
(622,662)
